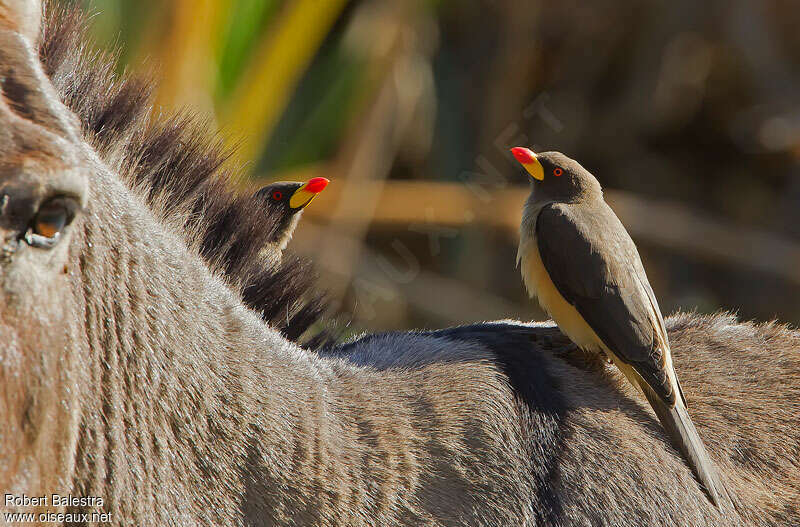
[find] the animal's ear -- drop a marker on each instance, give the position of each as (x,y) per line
(24,16)
(23,85)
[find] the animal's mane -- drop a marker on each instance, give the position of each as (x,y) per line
(182,171)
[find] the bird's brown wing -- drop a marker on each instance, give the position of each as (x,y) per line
(595,266)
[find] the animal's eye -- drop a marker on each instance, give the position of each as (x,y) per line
(557,172)
(277,195)
(50,221)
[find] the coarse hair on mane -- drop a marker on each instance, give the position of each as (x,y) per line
(182,172)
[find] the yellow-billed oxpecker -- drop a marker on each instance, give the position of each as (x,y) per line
(579,261)
(284,202)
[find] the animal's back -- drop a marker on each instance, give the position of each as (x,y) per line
(597,455)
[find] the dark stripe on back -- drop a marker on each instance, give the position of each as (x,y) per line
(543,407)
(522,359)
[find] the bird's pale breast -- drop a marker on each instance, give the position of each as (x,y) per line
(539,284)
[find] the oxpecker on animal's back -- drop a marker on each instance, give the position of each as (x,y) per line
(579,261)
(284,202)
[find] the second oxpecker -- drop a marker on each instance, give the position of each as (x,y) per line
(284,202)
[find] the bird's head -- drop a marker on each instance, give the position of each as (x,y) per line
(556,177)
(292,196)
(285,200)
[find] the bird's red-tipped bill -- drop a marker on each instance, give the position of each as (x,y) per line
(308,192)
(316,185)
(527,158)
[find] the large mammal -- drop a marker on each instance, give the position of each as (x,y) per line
(132,368)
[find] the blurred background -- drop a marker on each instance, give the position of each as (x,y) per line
(687,112)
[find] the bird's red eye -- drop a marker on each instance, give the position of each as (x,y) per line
(557,172)
(277,195)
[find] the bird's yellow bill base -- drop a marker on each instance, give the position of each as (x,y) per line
(527,158)
(301,198)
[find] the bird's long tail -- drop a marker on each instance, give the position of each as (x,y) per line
(683,434)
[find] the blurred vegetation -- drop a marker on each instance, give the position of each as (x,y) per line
(688,112)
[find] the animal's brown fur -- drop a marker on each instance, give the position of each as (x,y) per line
(130,370)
